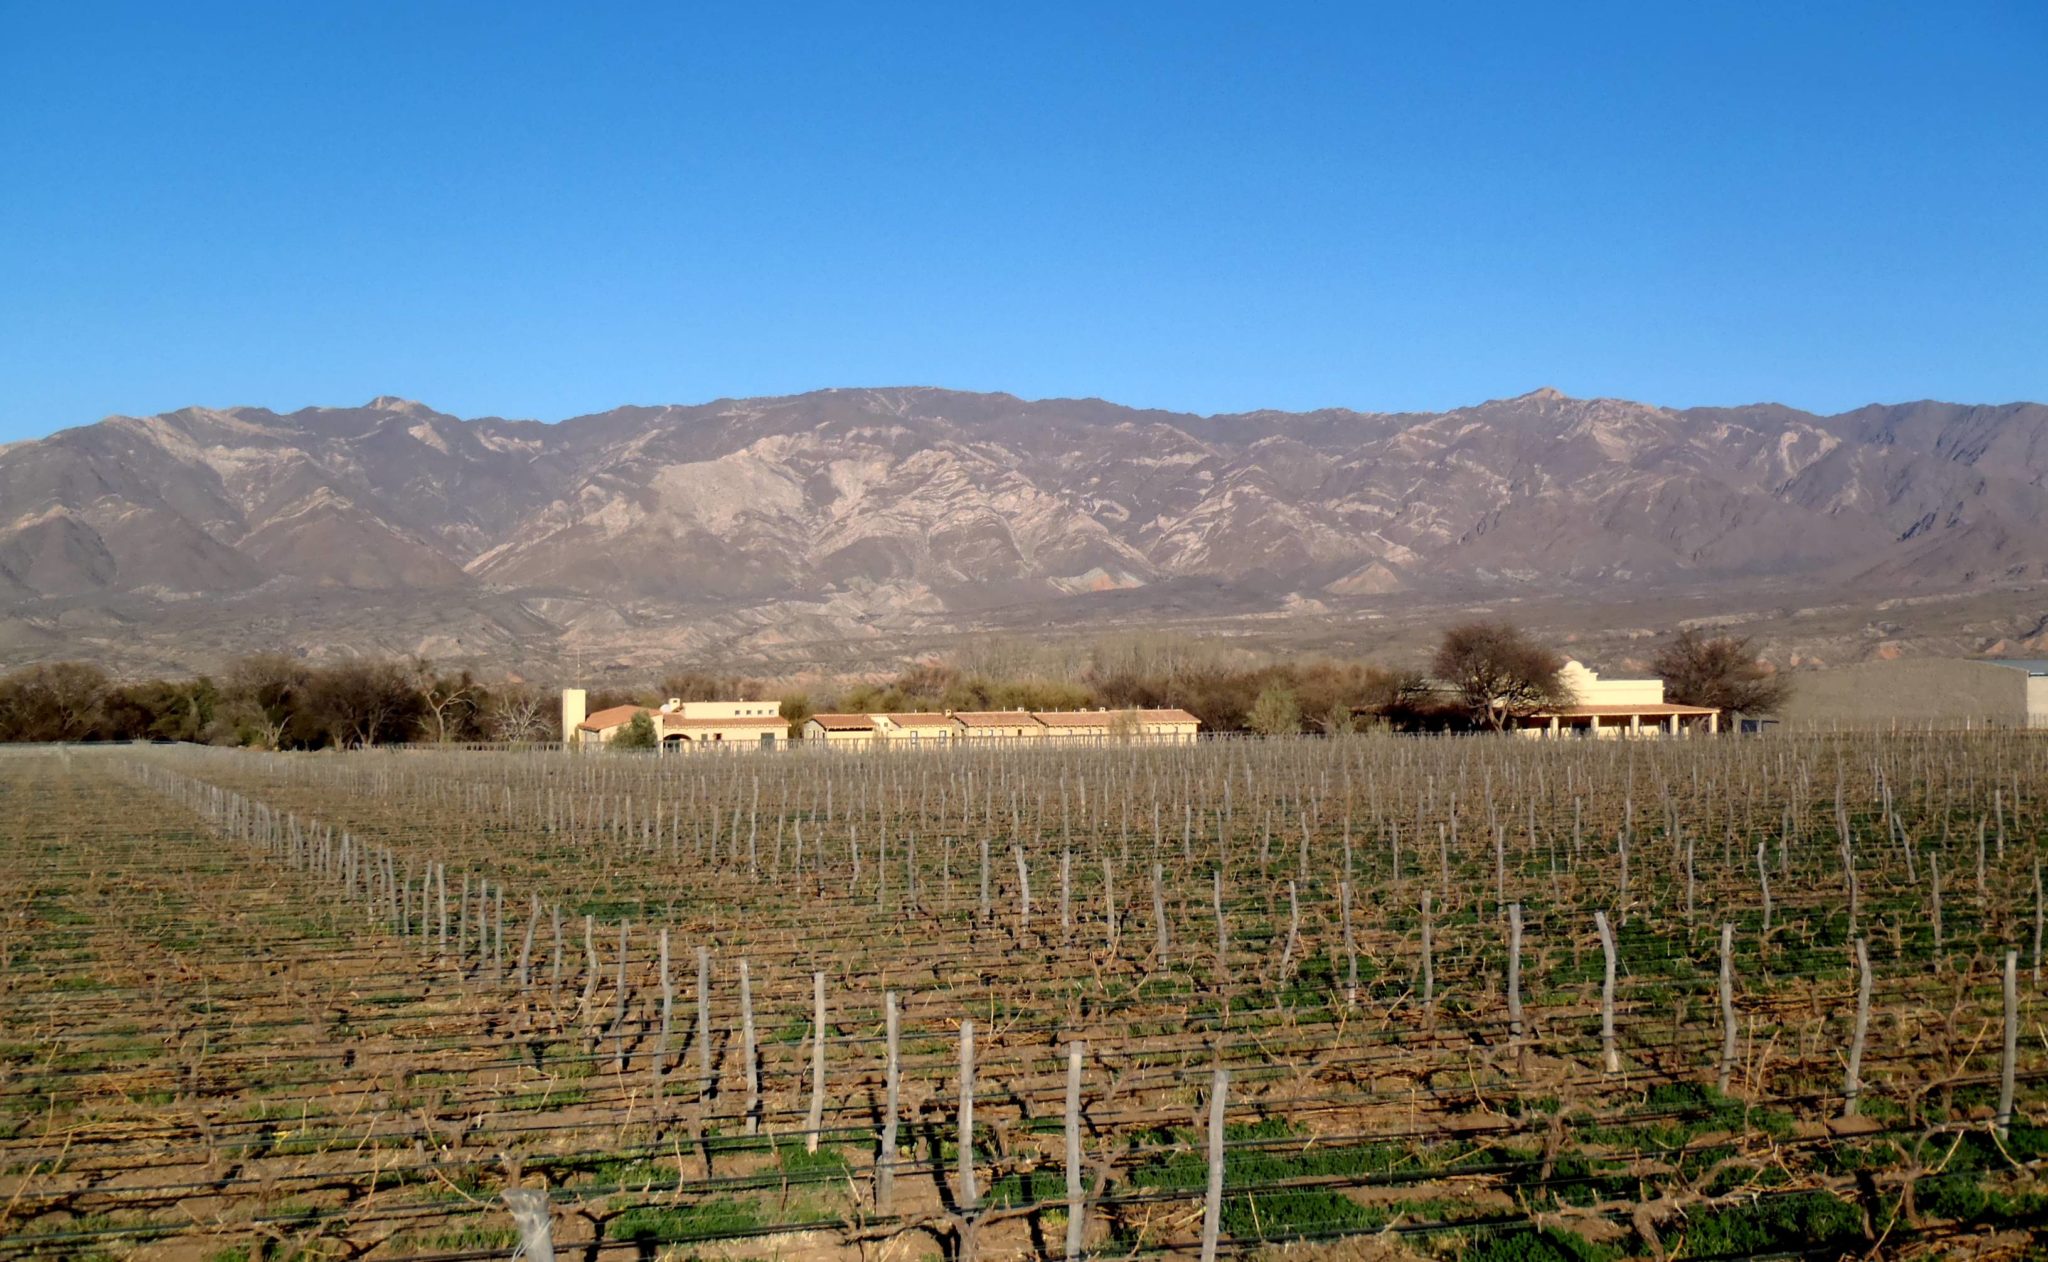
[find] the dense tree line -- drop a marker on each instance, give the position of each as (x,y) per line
(1482,676)
(275,702)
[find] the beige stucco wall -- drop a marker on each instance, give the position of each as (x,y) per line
(920,737)
(1064,732)
(1918,691)
(711,738)
(728,709)
(1589,689)
(838,739)
(916,734)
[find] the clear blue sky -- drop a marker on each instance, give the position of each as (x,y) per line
(546,209)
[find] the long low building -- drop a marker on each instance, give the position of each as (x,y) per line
(972,727)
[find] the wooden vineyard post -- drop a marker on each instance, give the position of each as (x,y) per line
(1428,956)
(892,1074)
(747,1050)
(1610,1053)
(1500,868)
(555,976)
(1849,883)
(1622,845)
(1515,972)
(964,1144)
(1934,899)
(1212,1204)
(1691,886)
(984,879)
(1066,896)
(1110,919)
(704,1083)
(1222,928)
(668,1007)
(1350,944)
(526,946)
(618,1026)
(1763,885)
(1852,1087)
(590,964)
(1727,1005)
(1293,931)
(816,1121)
(1159,910)
(529,1209)
(1076,1206)
(2001,1122)
(482,924)
(1023,892)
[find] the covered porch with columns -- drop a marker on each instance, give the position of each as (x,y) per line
(1620,721)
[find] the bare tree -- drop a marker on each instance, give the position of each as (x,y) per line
(449,701)
(517,712)
(361,703)
(1499,672)
(264,694)
(1719,671)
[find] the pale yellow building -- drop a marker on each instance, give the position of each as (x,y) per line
(681,725)
(916,731)
(1169,726)
(1104,726)
(1079,725)
(1615,708)
(998,725)
(841,731)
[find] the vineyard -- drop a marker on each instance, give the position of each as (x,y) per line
(1390,997)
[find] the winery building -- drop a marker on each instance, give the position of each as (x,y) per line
(681,726)
(1614,708)
(1033,727)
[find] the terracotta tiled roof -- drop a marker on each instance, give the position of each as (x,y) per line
(675,723)
(997,718)
(1110,718)
(612,717)
(920,719)
(1077,718)
(844,722)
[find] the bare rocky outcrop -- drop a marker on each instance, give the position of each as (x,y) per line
(845,512)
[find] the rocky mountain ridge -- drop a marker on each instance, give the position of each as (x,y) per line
(835,513)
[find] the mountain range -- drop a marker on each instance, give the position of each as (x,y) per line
(855,525)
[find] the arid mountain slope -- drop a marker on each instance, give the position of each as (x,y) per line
(846,514)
